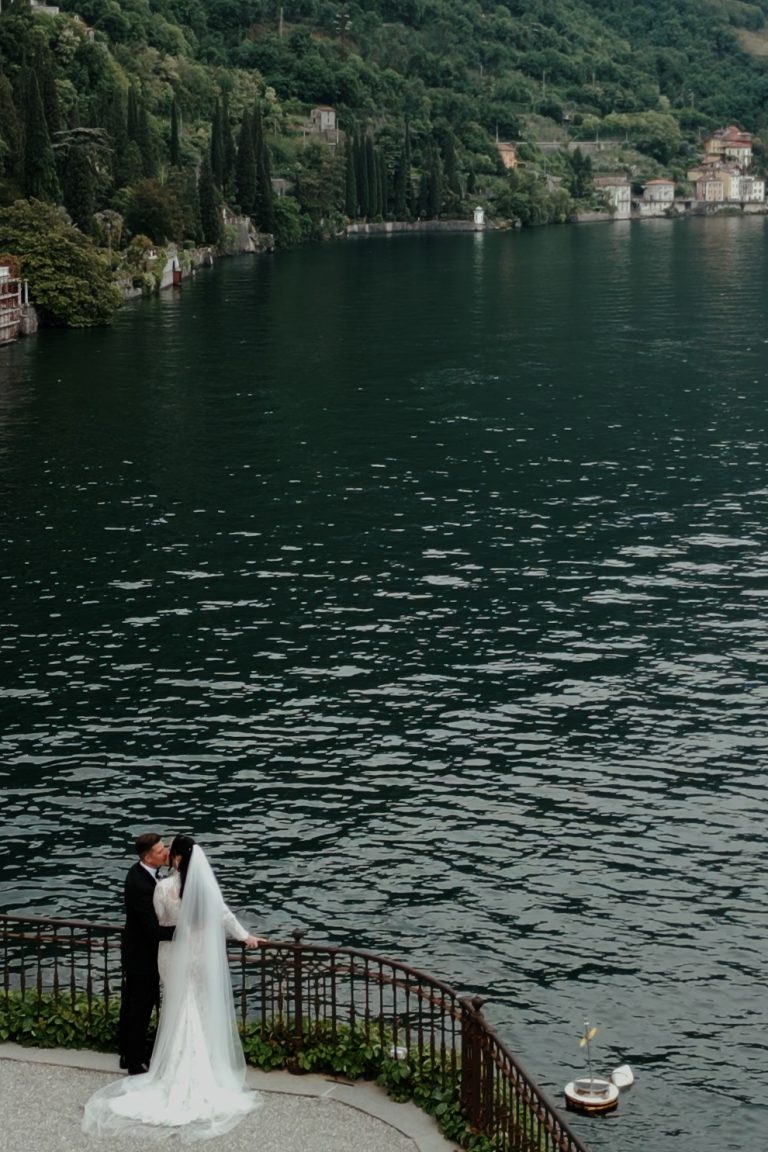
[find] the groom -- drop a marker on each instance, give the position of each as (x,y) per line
(141,936)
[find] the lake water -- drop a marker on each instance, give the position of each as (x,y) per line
(425,580)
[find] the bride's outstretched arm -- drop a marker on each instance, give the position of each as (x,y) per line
(234,928)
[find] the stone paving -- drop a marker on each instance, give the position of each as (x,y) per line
(42,1092)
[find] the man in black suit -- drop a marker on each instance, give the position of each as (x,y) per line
(141,936)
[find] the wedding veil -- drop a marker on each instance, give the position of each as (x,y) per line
(196,1081)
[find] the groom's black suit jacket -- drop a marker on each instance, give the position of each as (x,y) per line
(142,933)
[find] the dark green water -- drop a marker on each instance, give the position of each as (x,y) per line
(425,580)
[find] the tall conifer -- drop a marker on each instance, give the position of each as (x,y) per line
(174,148)
(132,165)
(10,129)
(245,168)
(264,208)
(113,117)
(146,143)
(400,199)
(372,185)
(361,175)
(435,173)
(410,195)
(78,186)
(350,180)
(229,151)
(46,81)
(132,115)
(452,181)
(383,184)
(217,149)
(39,175)
(210,205)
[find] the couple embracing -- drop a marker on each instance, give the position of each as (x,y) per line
(175,936)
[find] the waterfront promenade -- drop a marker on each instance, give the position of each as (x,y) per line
(43,1092)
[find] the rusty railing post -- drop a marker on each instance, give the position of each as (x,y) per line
(298,993)
(470,1059)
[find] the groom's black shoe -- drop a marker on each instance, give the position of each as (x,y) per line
(137,1069)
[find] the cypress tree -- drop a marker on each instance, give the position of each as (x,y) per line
(410,198)
(350,181)
(264,208)
(217,149)
(422,201)
(112,117)
(435,177)
(450,166)
(174,150)
(228,149)
(245,169)
(146,144)
(132,116)
(39,167)
(132,166)
(400,196)
(372,185)
(183,183)
(43,67)
(383,184)
(79,187)
(10,129)
(210,205)
(361,177)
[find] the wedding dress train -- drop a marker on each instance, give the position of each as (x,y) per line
(195,1086)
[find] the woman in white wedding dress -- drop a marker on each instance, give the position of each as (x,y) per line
(195,1086)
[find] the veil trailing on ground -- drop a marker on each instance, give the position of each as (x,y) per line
(195,1086)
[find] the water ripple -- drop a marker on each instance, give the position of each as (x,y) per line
(453,651)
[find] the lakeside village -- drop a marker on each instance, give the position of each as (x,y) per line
(721,181)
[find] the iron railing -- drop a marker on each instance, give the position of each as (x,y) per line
(295,990)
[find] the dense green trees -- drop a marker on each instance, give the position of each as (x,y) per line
(168,110)
(68,281)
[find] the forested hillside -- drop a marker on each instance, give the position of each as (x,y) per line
(141,117)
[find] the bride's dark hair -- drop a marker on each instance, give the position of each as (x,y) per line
(182,846)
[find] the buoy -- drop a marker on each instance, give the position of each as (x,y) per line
(623,1077)
(592,1095)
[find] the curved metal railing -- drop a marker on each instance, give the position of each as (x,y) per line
(297,991)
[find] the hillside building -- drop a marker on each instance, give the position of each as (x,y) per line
(658,197)
(618,192)
(730,144)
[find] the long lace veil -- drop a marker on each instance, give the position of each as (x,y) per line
(199,962)
(196,1081)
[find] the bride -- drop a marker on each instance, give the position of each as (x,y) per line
(195,1085)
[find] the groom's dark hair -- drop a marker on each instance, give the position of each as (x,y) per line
(146,842)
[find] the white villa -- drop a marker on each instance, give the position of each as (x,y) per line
(618,192)
(658,197)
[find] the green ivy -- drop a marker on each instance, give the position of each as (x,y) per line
(46,1021)
(51,1022)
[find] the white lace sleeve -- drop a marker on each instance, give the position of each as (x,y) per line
(166,901)
(233,927)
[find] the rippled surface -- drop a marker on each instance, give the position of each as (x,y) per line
(426,581)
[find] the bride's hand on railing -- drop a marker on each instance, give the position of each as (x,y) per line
(254,941)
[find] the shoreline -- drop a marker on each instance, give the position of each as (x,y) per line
(183,263)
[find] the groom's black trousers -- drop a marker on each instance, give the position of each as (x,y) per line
(140,994)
